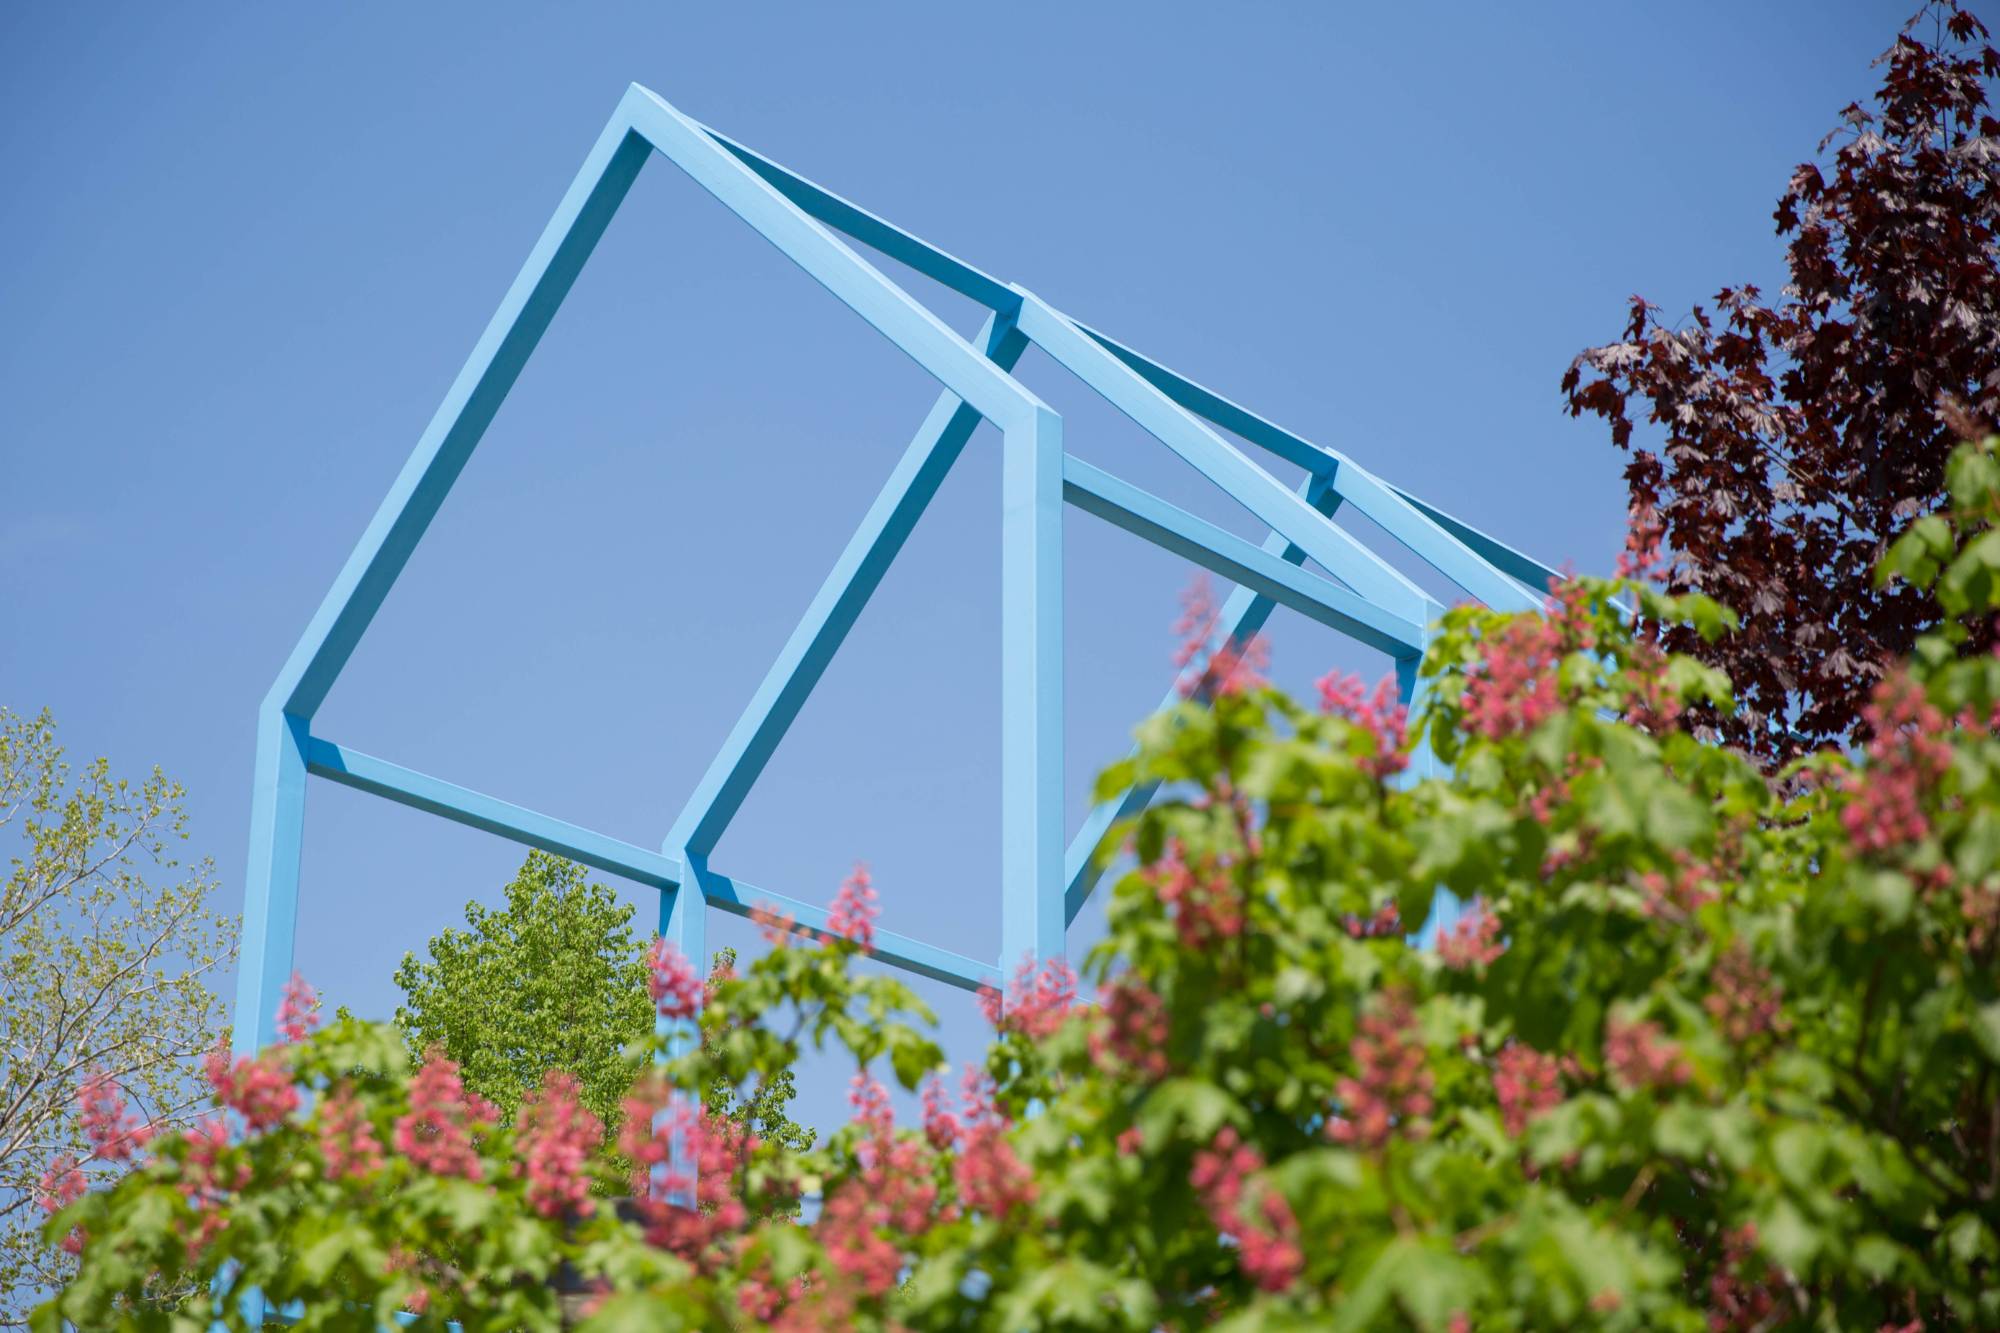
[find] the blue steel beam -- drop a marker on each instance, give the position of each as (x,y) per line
(859,285)
(834,609)
(420,791)
(732,895)
(1098,492)
(1242,480)
(1243,617)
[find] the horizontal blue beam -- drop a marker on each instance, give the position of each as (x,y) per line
(419,791)
(732,895)
(1098,492)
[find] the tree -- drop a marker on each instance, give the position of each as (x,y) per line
(555,979)
(1796,437)
(1708,1052)
(107,945)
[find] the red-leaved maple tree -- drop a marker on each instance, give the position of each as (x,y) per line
(1795,438)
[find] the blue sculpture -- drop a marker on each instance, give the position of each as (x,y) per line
(1044,883)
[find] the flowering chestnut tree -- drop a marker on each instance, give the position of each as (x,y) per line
(1708,1052)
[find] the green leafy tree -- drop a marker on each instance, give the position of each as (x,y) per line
(107,948)
(1708,1051)
(554,979)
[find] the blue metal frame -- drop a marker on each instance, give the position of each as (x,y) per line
(1044,883)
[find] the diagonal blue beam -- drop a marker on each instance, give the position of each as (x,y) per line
(420,791)
(925,960)
(1242,480)
(859,285)
(1258,568)
(834,609)
(1438,542)
(1531,573)
(1243,617)
(461,420)
(875,232)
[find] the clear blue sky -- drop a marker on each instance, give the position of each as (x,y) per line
(245,248)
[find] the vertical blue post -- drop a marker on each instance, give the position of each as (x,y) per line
(271,877)
(684,926)
(1031,717)
(1412,689)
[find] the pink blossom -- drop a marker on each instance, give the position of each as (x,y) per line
(436,1132)
(1135,1029)
(776,927)
(1640,1057)
(1513,689)
(1265,1231)
(991,1178)
(298,1013)
(1737,1301)
(1745,1001)
(1210,669)
(347,1141)
(1526,1083)
(1907,756)
(1391,1088)
(895,1195)
(258,1087)
(1383,717)
(115,1134)
(1203,898)
(1471,941)
(1387,921)
(677,1150)
(671,980)
(557,1136)
(1130,1141)
(60,1186)
(204,1181)
(852,917)
(1641,559)
(941,1127)
(1038,1001)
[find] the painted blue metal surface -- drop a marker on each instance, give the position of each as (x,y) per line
(1043,882)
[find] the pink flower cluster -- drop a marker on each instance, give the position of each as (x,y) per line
(115,1134)
(298,1011)
(991,1178)
(1641,559)
(852,917)
(1736,1301)
(1135,1030)
(1204,900)
(1639,1056)
(1526,1083)
(1907,755)
(1745,1001)
(1038,1000)
(1383,717)
(1391,1088)
(204,1182)
(557,1136)
(711,1147)
(1512,689)
(775,926)
(436,1133)
(670,979)
(256,1087)
(895,1195)
(1387,922)
(1210,669)
(347,1141)
(60,1186)
(1265,1231)
(1473,940)
(1679,898)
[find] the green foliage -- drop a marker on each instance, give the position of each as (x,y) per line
(107,946)
(1712,1050)
(553,980)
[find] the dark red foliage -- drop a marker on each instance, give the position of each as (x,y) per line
(1797,438)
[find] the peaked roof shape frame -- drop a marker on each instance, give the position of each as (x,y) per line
(1044,882)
